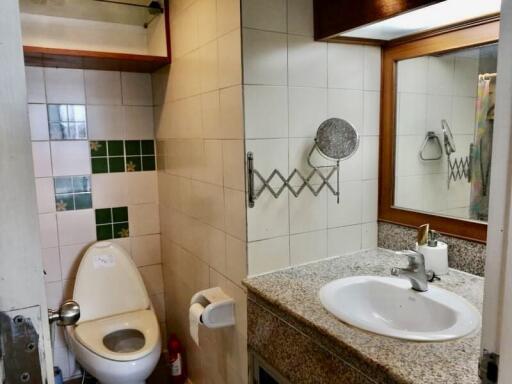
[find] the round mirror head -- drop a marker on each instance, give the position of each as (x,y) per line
(337,139)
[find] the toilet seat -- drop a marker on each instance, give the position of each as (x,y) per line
(91,333)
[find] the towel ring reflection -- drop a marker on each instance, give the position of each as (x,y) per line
(431,136)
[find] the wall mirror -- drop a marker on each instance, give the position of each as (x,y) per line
(437,125)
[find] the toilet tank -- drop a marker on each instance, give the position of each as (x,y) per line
(108,283)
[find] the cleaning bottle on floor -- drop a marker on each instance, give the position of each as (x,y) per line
(176,361)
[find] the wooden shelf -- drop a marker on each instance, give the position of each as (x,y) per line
(68,58)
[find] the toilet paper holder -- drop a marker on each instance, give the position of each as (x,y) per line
(219,308)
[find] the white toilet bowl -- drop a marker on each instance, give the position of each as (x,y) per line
(117,339)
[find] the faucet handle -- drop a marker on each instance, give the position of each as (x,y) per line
(415,258)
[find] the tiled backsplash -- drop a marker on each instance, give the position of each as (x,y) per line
(291,84)
(70,112)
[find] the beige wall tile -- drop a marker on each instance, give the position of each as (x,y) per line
(76,227)
(209,73)
(153,278)
(142,187)
(103,87)
(230,59)
(234,164)
(231,113)
(48,230)
(70,258)
(228,16)
(235,213)
(109,190)
(236,259)
(206,21)
(146,250)
(210,115)
(144,219)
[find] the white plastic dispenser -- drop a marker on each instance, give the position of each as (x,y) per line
(211,308)
(435,253)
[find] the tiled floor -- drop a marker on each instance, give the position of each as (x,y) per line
(159,376)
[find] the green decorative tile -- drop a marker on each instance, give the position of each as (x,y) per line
(104,232)
(121,230)
(133,164)
(132,147)
(63,184)
(99,165)
(83,201)
(119,214)
(116,164)
(103,216)
(115,148)
(98,148)
(64,202)
(148,147)
(148,163)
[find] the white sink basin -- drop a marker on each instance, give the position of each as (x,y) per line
(388,306)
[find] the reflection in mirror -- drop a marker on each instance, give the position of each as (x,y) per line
(444,124)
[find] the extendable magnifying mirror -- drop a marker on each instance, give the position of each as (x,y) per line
(336,140)
(449,142)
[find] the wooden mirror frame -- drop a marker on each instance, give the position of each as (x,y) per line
(455,37)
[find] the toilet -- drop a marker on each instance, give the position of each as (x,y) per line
(117,338)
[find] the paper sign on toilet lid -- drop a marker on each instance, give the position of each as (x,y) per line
(104,261)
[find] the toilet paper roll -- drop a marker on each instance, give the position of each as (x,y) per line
(194,316)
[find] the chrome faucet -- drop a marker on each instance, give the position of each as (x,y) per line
(415,272)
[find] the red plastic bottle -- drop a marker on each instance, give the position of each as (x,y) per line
(176,361)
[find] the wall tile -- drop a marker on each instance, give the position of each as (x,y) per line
(45,195)
(412,75)
(51,264)
(110,189)
(48,230)
(372,68)
(370,200)
(344,240)
(142,187)
(228,16)
(346,104)
(103,87)
(206,21)
(307,62)
(235,213)
(233,156)
(267,15)
(463,118)
(466,71)
(300,17)
(146,250)
(268,255)
(209,72)
(369,235)
(307,247)
(105,122)
(307,110)
(38,121)
(264,57)
(370,151)
(230,59)
(70,158)
(269,154)
(236,259)
(54,294)
(138,123)
(41,158)
(153,279)
(70,257)
(76,227)
(346,66)
(266,112)
(349,210)
(308,212)
(210,115)
(64,86)
(231,113)
(35,85)
(371,116)
(269,217)
(411,114)
(440,75)
(144,219)
(136,88)
(184,24)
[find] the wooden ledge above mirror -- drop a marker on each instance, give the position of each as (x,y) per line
(451,98)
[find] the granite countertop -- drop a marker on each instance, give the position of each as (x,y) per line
(295,292)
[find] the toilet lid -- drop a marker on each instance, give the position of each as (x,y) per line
(108,283)
(134,335)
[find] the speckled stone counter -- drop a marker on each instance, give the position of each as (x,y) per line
(286,322)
